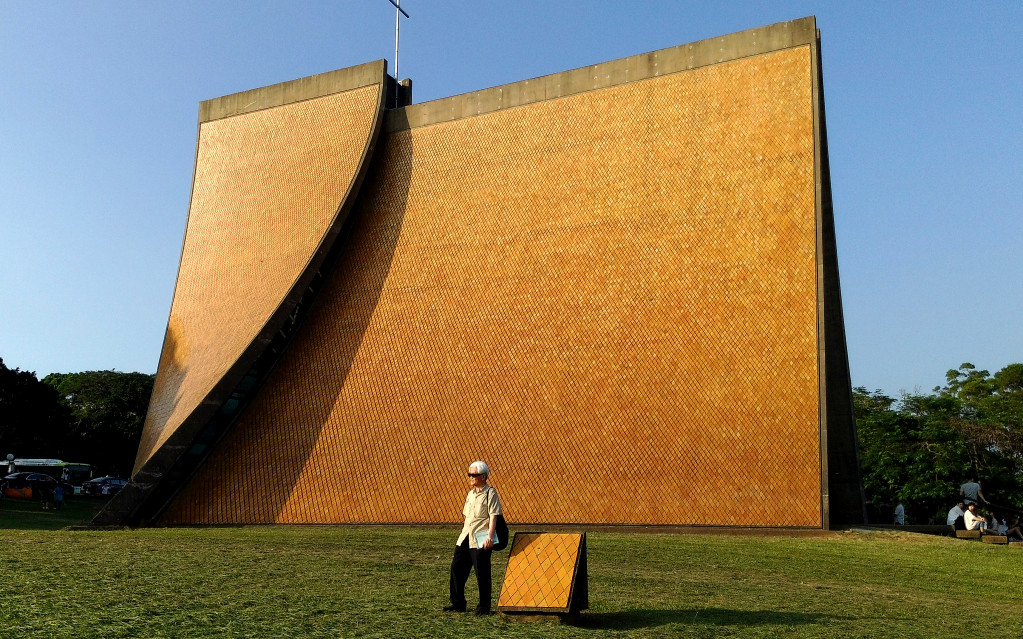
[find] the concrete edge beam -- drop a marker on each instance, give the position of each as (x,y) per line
(775,37)
(307,88)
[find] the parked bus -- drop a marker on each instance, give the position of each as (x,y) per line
(69,472)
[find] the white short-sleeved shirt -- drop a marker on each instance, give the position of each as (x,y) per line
(973,522)
(478,508)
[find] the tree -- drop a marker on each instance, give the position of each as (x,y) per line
(921,448)
(991,420)
(107,410)
(908,451)
(33,422)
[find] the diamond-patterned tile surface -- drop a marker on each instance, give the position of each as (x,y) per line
(267,186)
(540,570)
(610,297)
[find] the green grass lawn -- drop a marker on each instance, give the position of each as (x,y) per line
(28,514)
(367,581)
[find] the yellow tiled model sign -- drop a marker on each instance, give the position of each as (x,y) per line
(546,573)
(616,285)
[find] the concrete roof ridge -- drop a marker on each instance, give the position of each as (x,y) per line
(683,57)
(307,88)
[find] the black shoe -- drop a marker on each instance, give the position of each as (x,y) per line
(480,612)
(454,608)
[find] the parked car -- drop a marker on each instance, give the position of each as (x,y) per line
(26,485)
(104,486)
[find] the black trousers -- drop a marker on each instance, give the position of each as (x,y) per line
(465,560)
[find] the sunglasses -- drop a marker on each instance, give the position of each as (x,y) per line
(475,474)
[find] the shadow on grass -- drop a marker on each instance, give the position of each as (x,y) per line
(28,514)
(634,619)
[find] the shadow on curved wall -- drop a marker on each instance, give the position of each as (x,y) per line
(252,473)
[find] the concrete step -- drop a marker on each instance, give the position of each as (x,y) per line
(1017,544)
(968,534)
(927,529)
(995,539)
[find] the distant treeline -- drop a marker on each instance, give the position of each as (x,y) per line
(917,449)
(94,417)
(920,448)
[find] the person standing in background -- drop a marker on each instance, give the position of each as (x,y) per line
(900,514)
(971,492)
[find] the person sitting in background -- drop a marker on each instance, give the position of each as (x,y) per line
(955,516)
(1014,531)
(998,524)
(972,520)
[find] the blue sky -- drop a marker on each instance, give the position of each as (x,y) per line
(99,100)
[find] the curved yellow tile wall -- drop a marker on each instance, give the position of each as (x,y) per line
(267,186)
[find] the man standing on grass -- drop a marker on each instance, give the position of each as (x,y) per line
(473,548)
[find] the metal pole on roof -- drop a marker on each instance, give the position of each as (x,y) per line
(397,18)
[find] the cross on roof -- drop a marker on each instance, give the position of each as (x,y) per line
(397,16)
